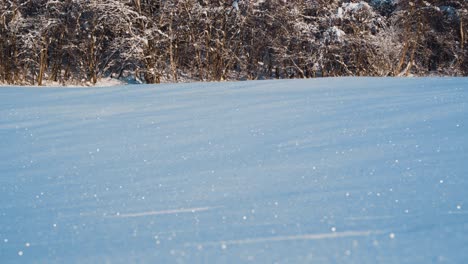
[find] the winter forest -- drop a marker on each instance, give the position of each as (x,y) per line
(153,41)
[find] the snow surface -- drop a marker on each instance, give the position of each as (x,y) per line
(336,33)
(101,82)
(347,170)
(355,7)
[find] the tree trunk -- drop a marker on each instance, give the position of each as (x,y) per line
(138,6)
(58,55)
(171,49)
(195,43)
(462,34)
(208,55)
(415,45)
(92,61)
(16,64)
(42,62)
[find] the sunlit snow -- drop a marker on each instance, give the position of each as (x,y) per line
(345,170)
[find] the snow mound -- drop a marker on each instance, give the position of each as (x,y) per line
(355,7)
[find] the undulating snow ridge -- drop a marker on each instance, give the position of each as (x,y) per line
(350,170)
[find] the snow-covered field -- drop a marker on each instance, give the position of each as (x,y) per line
(347,170)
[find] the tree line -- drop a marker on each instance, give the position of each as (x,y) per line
(153,41)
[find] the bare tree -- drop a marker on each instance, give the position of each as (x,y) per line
(210,40)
